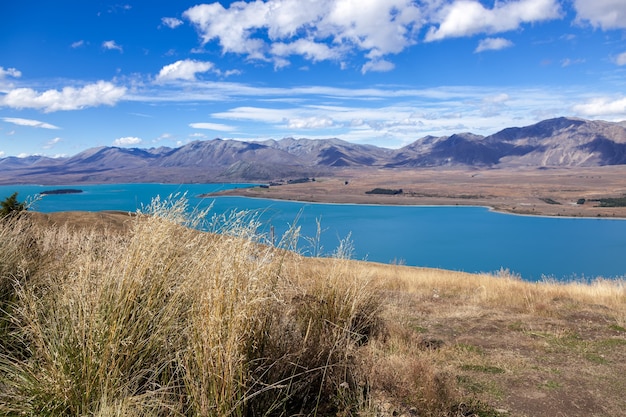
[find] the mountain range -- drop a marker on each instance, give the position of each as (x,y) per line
(559,142)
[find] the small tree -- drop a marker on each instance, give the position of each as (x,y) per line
(10,206)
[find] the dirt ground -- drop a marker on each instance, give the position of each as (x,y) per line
(549,192)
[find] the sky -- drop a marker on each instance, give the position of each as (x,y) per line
(77,74)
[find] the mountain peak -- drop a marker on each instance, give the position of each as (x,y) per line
(562,141)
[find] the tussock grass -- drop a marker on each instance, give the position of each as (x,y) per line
(157,318)
(166,320)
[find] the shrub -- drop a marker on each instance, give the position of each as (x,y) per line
(10,206)
(386,191)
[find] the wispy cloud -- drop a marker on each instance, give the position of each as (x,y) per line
(620,59)
(605,107)
(378,65)
(112,45)
(52,142)
(212,126)
(78,44)
(29,123)
(171,22)
(493,44)
(567,62)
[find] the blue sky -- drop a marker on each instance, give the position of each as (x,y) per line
(76,74)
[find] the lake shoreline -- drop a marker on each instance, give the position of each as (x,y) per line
(493,209)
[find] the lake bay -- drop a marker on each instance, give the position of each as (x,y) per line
(472,239)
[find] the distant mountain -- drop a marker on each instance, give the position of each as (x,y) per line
(563,142)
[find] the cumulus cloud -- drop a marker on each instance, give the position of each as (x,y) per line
(602,106)
(78,44)
(29,122)
(112,45)
(621,59)
(493,44)
(315,30)
(127,141)
(606,14)
(183,70)
(69,98)
(9,72)
(470,17)
(212,126)
(171,22)
(2,154)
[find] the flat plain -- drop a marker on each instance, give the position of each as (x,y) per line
(568,192)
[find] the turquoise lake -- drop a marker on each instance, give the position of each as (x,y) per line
(472,239)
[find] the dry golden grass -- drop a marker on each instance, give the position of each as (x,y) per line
(166,320)
(532,349)
(146,316)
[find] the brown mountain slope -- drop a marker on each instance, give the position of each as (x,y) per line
(561,142)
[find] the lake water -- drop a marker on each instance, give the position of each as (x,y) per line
(472,239)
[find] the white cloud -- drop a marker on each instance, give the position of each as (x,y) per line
(470,17)
(378,65)
(183,70)
(569,62)
(9,72)
(112,45)
(310,123)
(51,143)
(497,98)
(602,107)
(29,122)
(316,30)
(69,98)
(493,44)
(78,44)
(606,14)
(171,22)
(127,141)
(621,59)
(310,50)
(212,126)
(2,154)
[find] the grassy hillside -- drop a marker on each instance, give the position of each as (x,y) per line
(113,315)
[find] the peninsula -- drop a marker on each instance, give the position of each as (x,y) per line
(570,192)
